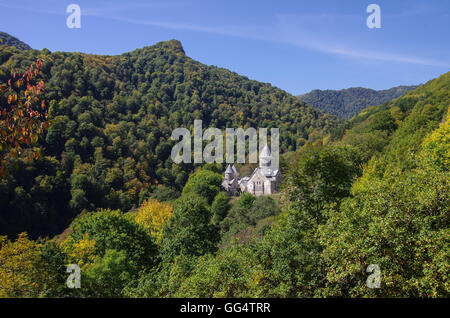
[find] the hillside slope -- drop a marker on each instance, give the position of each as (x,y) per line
(6,39)
(400,206)
(347,217)
(401,124)
(347,103)
(112,117)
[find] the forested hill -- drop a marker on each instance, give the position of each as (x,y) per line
(399,126)
(109,144)
(6,39)
(347,103)
(373,198)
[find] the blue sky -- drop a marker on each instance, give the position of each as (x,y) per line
(295,45)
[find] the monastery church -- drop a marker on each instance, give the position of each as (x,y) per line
(263,180)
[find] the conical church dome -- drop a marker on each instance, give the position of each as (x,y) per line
(265,152)
(265,157)
(229,170)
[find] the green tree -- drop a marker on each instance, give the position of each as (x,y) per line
(190,230)
(113,230)
(291,254)
(400,224)
(323,175)
(263,207)
(220,207)
(245,201)
(52,263)
(108,275)
(204,183)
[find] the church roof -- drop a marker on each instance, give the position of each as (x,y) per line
(265,152)
(243,180)
(229,169)
(267,173)
(234,169)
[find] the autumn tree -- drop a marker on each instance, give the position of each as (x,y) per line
(18,275)
(152,215)
(23,115)
(436,147)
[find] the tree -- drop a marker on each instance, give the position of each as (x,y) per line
(113,230)
(52,264)
(189,231)
(323,175)
(399,223)
(153,215)
(245,201)
(220,207)
(291,257)
(81,252)
(108,275)
(248,218)
(162,193)
(390,218)
(18,275)
(22,117)
(206,278)
(205,183)
(436,147)
(263,207)
(383,121)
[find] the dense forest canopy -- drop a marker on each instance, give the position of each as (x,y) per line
(346,103)
(108,145)
(377,196)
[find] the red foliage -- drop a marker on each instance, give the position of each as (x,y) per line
(24,117)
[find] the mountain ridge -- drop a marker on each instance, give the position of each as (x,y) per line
(346,103)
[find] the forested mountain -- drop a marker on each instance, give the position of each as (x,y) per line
(6,39)
(372,200)
(366,196)
(108,145)
(347,103)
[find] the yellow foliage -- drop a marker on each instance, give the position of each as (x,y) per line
(18,275)
(152,215)
(397,114)
(81,252)
(436,146)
